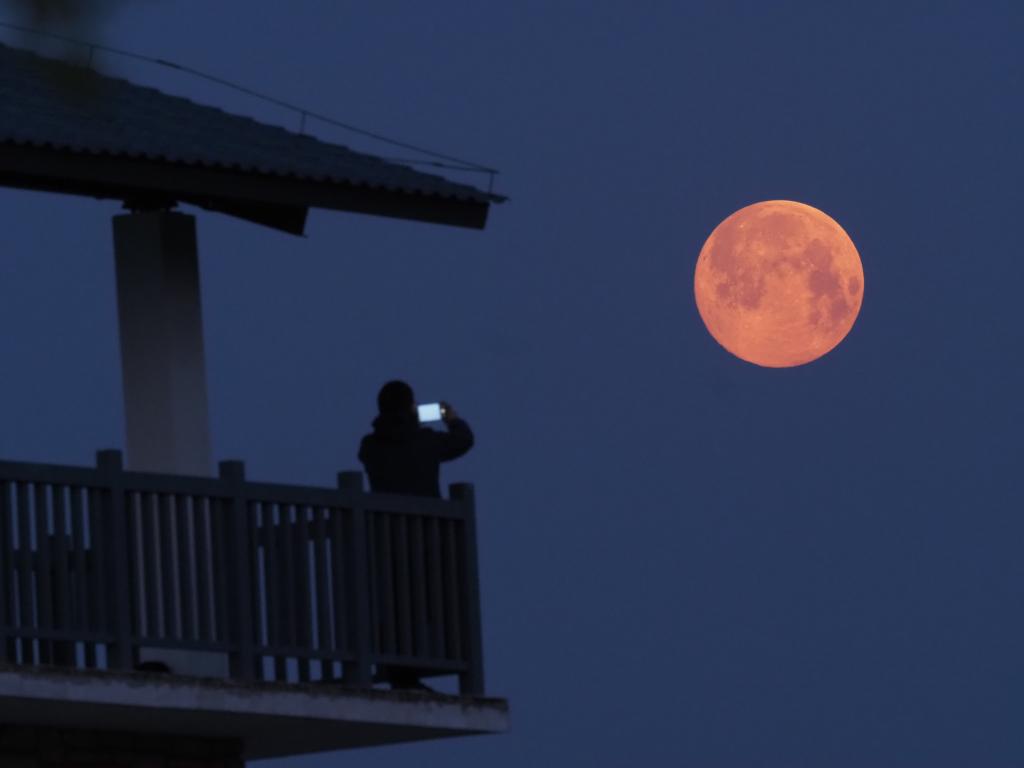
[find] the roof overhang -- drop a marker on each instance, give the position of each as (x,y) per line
(276,201)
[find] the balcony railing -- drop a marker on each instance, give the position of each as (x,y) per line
(100,566)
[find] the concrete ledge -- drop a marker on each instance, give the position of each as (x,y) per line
(270,719)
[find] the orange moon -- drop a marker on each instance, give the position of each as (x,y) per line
(779,283)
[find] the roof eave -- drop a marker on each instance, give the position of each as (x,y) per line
(280,202)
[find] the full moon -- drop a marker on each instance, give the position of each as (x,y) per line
(779,284)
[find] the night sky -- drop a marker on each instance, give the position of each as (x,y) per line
(685,559)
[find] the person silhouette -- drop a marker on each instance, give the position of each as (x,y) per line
(403,456)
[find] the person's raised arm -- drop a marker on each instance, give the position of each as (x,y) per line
(459,438)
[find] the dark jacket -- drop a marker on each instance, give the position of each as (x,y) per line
(401,456)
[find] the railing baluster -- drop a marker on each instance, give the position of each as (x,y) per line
(257,599)
(82,617)
(64,651)
(436,611)
(372,581)
(44,579)
(323,605)
(149,509)
(421,644)
(403,607)
(219,565)
(282,521)
(272,571)
(450,576)
(243,660)
(385,582)
(6,575)
(304,596)
(204,564)
(99,575)
(165,531)
(25,597)
(110,469)
(291,596)
(471,681)
(340,596)
(355,601)
(186,565)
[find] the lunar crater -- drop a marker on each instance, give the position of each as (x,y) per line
(822,282)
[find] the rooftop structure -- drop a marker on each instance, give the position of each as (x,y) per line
(116,140)
(152,609)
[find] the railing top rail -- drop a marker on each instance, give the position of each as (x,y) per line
(412,505)
(217,487)
(189,485)
(49,473)
(300,495)
(333,497)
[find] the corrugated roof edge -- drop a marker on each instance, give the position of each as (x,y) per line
(460,190)
(479,195)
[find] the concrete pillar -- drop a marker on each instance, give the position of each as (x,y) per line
(161,328)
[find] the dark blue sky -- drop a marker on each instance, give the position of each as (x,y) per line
(686,559)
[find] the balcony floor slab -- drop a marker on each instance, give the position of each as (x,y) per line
(271,719)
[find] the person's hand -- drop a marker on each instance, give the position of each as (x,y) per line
(447,412)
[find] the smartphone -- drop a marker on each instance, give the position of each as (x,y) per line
(429,412)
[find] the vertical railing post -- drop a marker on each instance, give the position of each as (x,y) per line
(7,652)
(357,566)
(471,682)
(240,572)
(110,467)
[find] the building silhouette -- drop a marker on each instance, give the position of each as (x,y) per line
(156,610)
